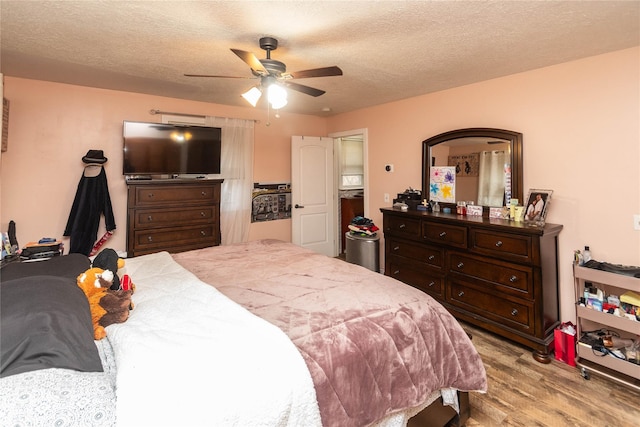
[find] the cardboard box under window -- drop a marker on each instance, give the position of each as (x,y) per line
(564,341)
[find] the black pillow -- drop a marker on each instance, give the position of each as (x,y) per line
(71,266)
(45,322)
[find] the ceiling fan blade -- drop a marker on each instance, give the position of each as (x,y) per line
(304,89)
(251,60)
(219,77)
(317,72)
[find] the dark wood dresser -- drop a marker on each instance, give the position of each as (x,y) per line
(499,275)
(173,215)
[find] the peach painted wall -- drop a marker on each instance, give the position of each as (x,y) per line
(580,121)
(51,126)
(581,130)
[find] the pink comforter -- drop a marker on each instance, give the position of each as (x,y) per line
(373,345)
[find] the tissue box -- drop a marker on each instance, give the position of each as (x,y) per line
(474,210)
(500,213)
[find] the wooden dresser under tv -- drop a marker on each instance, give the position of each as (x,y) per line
(497,274)
(173,215)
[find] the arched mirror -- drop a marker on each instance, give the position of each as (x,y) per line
(487,165)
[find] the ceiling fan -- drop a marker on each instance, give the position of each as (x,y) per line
(274,77)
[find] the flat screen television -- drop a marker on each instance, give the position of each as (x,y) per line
(166,149)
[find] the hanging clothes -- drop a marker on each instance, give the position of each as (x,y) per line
(91,201)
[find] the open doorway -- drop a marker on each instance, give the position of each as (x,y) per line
(351,180)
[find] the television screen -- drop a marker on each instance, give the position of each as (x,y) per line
(165,149)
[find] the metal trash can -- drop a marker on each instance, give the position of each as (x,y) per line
(363,250)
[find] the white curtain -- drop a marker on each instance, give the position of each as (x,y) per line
(491,178)
(237,170)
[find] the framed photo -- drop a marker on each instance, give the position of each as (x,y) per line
(537,205)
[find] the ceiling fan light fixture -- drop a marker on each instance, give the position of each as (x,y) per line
(277,96)
(252,95)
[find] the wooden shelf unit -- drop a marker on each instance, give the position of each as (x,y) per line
(589,320)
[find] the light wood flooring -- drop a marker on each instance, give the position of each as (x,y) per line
(523,392)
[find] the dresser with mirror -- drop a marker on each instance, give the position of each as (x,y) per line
(497,274)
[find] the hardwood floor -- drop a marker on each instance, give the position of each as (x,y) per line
(523,392)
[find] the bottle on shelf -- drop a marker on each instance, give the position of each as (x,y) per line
(586,254)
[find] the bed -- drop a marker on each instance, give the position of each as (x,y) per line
(263,333)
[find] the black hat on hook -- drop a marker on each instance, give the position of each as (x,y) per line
(94,156)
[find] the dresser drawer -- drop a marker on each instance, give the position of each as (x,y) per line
(445,234)
(408,227)
(149,195)
(511,312)
(166,238)
(518,248)
(510,278)
(151,218)
(425,279)
(428,254)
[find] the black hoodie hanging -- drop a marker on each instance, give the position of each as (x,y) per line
(91,201)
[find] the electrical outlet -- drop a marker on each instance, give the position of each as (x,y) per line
(636,222)
(386,197)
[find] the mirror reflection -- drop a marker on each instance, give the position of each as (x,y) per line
(487,165)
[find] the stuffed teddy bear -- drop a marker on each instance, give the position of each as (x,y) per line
(107,306)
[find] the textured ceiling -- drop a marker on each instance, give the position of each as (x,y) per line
(388,50)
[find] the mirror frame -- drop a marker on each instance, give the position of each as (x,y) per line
(517,190)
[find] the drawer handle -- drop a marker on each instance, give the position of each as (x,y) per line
(443,234)
(204,193)
(149,218)
(202,214)
(150,195)
(460,265)
(431,257)
(402,226)
(431,284)
(150,239)
(514,312)
(202,232)
(513,278)
(395,273)
(461,294)
(396,248)
(499,243)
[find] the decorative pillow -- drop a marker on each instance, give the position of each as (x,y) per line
(45,323)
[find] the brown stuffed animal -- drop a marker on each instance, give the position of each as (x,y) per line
(107,306)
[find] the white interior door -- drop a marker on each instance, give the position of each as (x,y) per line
(312,194)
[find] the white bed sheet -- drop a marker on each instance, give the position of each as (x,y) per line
(190,356)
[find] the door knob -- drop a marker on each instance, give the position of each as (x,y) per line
(297,206)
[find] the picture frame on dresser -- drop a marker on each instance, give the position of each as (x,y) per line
(537,205)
